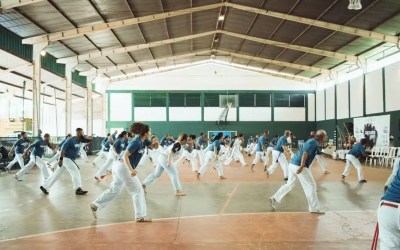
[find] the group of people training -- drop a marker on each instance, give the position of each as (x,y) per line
(123,153)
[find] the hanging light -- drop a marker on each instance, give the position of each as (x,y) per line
(354,5)
(221,18)
(43,53)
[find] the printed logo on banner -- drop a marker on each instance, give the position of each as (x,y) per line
(375,129)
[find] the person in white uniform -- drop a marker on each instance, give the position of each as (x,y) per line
(236,152)
(188,153)
(102,153)
(352,156)
(53,162)
(319,158)
(260,151)
(212,154)
(278,156)
(39,147)
(82,152)
(299,170)
(19,147)
(124,174)
(69,152)
(167,162)
(389,212)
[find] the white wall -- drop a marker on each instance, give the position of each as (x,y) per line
(330,103)
(254,114)
(356,97)
(121,106)
(212,114)
(185,114)
(145,114)
(374,92)
(392,87)
(342,100)
(320,105)
(289,114)
(210,76)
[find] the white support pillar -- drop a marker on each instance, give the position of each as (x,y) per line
(36,86)
(89,105)
(68,97)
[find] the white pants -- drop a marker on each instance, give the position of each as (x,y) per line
(188,156)
(106,165)
(389,226)
(171,171)
(200,153)
(260,155)
(279,157)
(72,169)
(40,163)
(83,154)
(321,161)
(210,156)
(18,158)
(102,155)
(351,159)
(54,158)
(122,177)
(236,154)
(307,182)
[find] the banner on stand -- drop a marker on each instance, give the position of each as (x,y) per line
(376,129)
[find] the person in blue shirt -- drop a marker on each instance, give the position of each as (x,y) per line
(299,169)
(278,156)
(352,156)
(388,211)
(125,174)
(53,162)
(69,152)
(19,147)
(39,147)
(212,154)
(261,151)
(102,153)
(167,161)
(113,153)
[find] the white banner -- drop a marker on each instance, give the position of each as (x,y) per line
(375,129)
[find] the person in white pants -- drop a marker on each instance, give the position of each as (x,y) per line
(260,151)
(167,162)
(212,154)
(278,156)
(69,152)
(299,169)
(112,154)
(39,147)
(82,152)
(271,146)
(124,174)
(189,153)
(19,147)
(53,162)
(356,151)
(200,144)
(236,152)
(102,154)
(389,212)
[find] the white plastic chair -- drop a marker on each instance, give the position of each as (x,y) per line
(391,155)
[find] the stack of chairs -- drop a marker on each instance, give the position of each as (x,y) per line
(383,156)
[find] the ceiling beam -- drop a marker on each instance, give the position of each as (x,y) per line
(9,4)
(10,70)
(321,24)
(281,63)
(136,47)
(114,25)
(310,50)
(141,63)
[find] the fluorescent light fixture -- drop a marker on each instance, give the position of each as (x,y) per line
(43,53)
(221,18)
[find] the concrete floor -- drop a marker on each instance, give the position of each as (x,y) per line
(228,214)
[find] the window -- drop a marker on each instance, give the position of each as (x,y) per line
(158,100)
(246,100)
(297,100)
(193,100)
(211,100)
(263,100)
(142,99)
(281,100)
(150,100)
(177,100)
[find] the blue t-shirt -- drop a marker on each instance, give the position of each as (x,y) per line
(119,145)
(104,141)
(281,142)
(357,150)
(20,146)
(261,142)
(72,146)
(217,144)
(62,143)
(311,147)
(38,147)
(106,146)
(199,143)
(393,192)
(136,148)
(273,141)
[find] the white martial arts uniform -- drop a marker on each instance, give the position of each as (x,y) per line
(236,154)
(82,152)
(211,157)
(19,146)
(278,156)
(28,167)
(176,150)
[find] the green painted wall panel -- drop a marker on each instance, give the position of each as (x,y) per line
(12,43)
(49,63)
(78,79)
